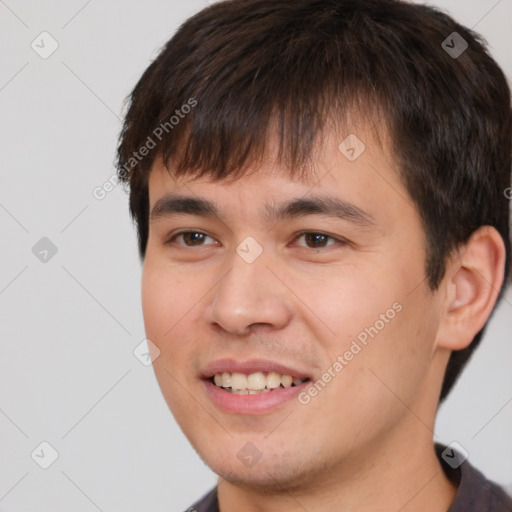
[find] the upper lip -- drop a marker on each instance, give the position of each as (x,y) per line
(250,366)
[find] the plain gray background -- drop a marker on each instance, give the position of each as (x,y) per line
(69,325)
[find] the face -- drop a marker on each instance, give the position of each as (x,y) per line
(312,289)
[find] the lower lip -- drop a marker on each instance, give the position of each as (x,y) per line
(251,404)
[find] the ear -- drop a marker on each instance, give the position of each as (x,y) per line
(471,287)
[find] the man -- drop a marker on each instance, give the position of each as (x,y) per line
(320,189)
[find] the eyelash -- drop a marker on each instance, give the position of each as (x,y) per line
(299,235)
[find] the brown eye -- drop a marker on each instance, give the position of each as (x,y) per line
(193,238)
(315,240)
(190,238)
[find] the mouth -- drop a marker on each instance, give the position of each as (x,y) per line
(251,387)
(254,383)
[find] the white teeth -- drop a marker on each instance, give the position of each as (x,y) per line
(225,381)
(254,383)
(238,381)
(286,381)
(273,380)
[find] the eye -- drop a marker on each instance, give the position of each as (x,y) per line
(315,240)
(312,239)
(190,238)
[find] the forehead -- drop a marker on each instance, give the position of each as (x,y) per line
(361,190)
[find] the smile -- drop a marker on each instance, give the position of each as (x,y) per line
(254,383)
(251,387)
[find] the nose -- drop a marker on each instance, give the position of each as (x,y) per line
(248,295)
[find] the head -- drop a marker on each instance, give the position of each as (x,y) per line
(255,103)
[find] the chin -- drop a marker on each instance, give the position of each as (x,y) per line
(269,475)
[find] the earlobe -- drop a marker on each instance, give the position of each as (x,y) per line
(473,281)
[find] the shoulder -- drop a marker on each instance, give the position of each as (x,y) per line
(208,503)
(475,492)
(481,493)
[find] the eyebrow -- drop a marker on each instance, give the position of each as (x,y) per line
(170,205)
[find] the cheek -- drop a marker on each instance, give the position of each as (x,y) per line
(394,364)
(381,366)
(166,300)
(377,319)
(341,302)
